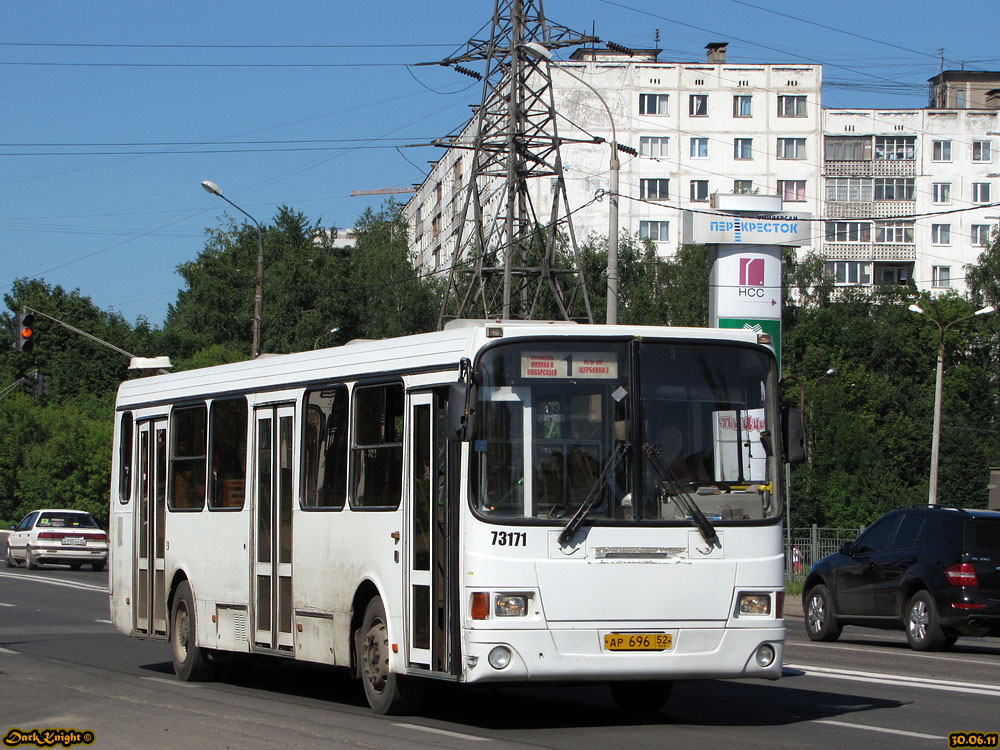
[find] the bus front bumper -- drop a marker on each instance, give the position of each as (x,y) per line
(586,655)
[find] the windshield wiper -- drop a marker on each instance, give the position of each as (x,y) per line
(591,501)
(688,505)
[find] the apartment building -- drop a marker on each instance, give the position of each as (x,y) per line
(907,192)
(882,178)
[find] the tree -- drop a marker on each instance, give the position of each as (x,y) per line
(387,295)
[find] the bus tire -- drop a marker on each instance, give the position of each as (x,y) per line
(641,697)
(191,663)
(386,692)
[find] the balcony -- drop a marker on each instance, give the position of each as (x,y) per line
(869,251)
(871,168)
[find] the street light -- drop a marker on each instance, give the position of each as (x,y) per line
(258,298)
(332,330)
(545,53)
(936,435)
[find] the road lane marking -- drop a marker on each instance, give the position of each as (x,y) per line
(7,651)
(55,582)
(899,680)
(902,732)
(445,732)
(907,652)
(5,604)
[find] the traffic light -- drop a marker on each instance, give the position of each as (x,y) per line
(30,383)
(24,332)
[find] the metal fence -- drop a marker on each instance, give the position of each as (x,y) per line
(811,544)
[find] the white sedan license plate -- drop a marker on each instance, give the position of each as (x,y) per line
(638,642)
(75,541)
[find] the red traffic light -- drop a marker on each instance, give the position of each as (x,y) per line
(24,332)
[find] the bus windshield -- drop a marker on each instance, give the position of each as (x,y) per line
(661,423)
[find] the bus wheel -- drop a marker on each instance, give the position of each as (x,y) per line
(387,693)
(640,697)
(191,663)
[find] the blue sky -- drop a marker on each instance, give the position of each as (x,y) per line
(114,112)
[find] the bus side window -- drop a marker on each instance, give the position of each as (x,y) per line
(228,435)
(377,453)
(188,446)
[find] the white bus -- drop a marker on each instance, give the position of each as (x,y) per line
(496,502)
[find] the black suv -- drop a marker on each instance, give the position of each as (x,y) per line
(933,571)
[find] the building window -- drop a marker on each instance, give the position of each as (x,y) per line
(792,190)
(699,190)
(657,231)
(848,231)
(743,149)
(437,195)
(654,146)
(653,104)
(980,192)
(891,275)
(849,271)
(791,148)
(435,226)
(942,192)
(894,189)
(792,106)
(847,148)
(942,277)
(848,189)
(981,235)
(893,232)
(895,148)
(654,189)
(941,151)
(698,105)
(699,148)
(981,151)
(742,105)
(941,234)
(743,187)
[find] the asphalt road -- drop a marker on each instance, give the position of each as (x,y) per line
(63,665)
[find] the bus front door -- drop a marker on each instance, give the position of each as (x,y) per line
(432,553)
(271,566)
(149,607)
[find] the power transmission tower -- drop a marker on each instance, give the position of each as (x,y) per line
(505,263)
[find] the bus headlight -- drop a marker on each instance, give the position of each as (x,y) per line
(499,657)
(511,605)
(754,605)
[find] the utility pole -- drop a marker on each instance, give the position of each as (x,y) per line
(504,257)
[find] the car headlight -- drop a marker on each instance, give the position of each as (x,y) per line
(754,605)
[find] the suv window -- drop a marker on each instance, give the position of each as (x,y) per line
(984,537)
(943,532)
(877,537)
(908,535)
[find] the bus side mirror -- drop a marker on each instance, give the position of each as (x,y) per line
(461,409)
(793,436)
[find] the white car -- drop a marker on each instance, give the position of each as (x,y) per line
(68,537)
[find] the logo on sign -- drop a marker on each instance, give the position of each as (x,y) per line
(751,272)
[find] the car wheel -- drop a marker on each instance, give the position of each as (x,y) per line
(191,663)
(75,566)
(923,629)
(641,697)
(387,693)
(97,567)
(29,561)
(821,621)
(949,641)
(9,559)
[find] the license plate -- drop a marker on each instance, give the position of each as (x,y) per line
(76,541)
(638,641)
